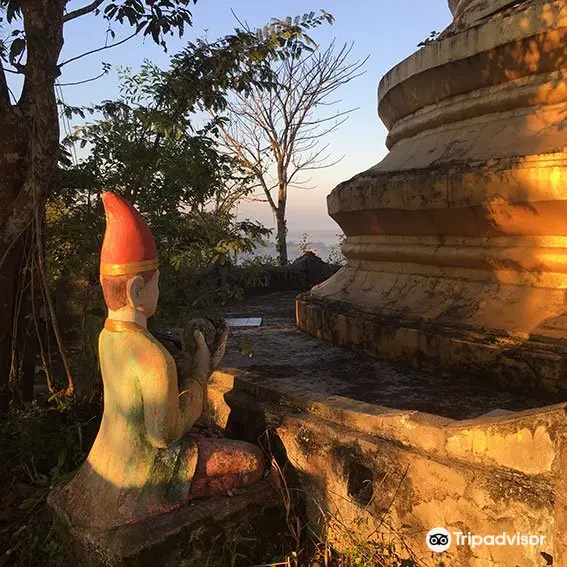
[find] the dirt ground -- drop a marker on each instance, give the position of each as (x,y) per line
(279,353)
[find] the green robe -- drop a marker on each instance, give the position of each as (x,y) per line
(141,463)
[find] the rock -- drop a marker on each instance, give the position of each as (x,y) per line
(211,329)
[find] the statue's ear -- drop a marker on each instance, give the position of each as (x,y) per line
(133,288)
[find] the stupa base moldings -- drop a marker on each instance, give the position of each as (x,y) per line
(512,362)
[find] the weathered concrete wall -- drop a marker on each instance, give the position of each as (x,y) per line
(461,228)
(486,476)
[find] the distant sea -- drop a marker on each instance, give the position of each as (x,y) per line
(324,243)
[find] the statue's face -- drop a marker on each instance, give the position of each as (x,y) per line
(145,297)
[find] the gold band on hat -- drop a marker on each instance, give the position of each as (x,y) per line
(128,269)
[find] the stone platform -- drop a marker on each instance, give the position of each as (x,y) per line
(278,353)
(463,355)
(383,453)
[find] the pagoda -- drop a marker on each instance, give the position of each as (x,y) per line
(456,242)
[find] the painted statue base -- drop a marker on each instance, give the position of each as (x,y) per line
(187,536)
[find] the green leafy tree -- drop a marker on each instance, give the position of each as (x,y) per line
(29,129)
(29,145)
(170,170)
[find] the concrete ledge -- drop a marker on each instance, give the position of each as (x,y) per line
(485,475)
(526,441)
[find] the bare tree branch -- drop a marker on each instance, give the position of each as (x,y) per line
(83,81)
(102,48)
(82,11)
(276,132)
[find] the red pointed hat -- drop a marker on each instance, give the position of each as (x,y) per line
(128,246)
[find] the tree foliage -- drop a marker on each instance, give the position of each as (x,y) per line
(168,168)
(154,18)
(158,146)
(33,36)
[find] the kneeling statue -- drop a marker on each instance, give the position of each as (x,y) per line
(143,461)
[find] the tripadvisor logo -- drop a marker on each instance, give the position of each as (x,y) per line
(438,540)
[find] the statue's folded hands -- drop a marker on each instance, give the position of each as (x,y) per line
(193,372)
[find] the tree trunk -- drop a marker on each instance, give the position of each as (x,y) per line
(14,149)
(281,242)
(281,224)
(29,147)
(8,276)
(24,337)
(18,340)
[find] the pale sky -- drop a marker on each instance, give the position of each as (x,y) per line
(385,30)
